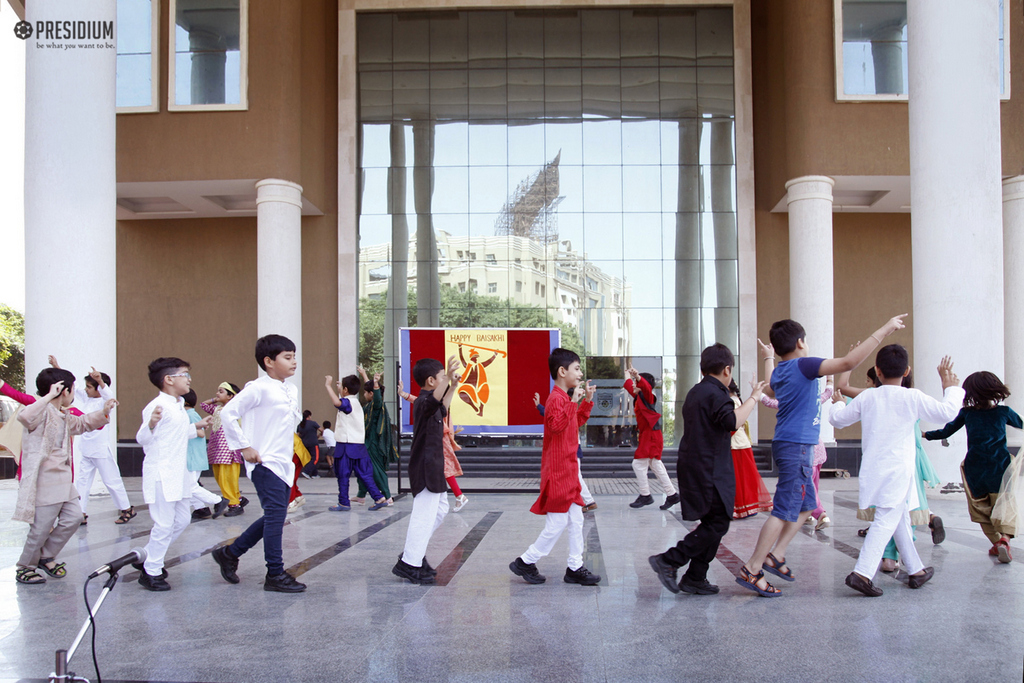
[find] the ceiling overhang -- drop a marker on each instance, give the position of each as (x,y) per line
(192,199)
(865,194)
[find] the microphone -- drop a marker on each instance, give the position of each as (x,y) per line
(136,556)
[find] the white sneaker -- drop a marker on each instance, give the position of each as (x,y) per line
(460,502)
(823,523)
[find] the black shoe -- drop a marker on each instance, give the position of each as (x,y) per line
(666,572)
(527,571)
(154,583)
(234,511)
(201,514)
(642,501)
(283,583)
(702,587)
(859,583)
(141,567)
(243,501)
(582,576)
(220,507)
(228,564)
(413,574)
(670,501)
(425,568)
(916,581)
(938,531)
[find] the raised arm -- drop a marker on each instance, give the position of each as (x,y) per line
(767,353)
(742,413)
(445,391)
(857,355)
(949,430)
(329,385)
(10,392)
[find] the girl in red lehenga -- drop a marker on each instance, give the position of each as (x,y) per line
(751,494)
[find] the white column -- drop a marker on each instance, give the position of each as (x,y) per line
(956,207)
(279,263)
(70,195)
(810,267)
(1013,289)
(348,184)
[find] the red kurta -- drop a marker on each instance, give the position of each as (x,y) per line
(651,442)
(559,468)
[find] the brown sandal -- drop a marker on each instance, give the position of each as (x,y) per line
(126,515)
(749,580)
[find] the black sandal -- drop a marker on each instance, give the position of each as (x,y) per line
(126,515)
(57,571)
(28,575)
(863,532)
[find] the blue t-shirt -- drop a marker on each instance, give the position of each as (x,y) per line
(197,460)
(796,387)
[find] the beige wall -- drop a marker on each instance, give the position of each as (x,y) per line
(187,288)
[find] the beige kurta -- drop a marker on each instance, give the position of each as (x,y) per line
(46,475)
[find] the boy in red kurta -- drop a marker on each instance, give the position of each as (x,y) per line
(651,442)
(560,499)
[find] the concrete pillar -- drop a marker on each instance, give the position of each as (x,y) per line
(810,267)
(396,313)
(1013,288)
(279,263)
(887,58)
(688,266)
(956,206)
(70,197)
(428,282)
(209,58)
(723,206)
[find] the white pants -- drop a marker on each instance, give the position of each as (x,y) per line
(889,523)
(428,511)
(110,475)
(554,524)
(584,491)
(170,517)
(640,467)
(201,497)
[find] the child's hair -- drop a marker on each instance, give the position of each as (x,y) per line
(351,384)
(271,346)
(92,383)
(649,377)
(873,376)
(306,414)
(47,377)
(190,398)
(327,424)
(368,387)
(908,380)
(733,389)
(162,367)
(424,369)
(561,358)
(983,390)
(785,334)
(893,360)
(715,358)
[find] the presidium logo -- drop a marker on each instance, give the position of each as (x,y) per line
(66,30)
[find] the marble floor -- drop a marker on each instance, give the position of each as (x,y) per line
(480,623)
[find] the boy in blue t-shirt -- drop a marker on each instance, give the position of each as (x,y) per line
(798,425)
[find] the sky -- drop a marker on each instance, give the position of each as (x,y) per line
(12,161)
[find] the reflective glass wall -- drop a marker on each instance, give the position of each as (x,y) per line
(570,169)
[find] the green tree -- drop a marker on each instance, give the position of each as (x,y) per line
(12,347)
(458,309)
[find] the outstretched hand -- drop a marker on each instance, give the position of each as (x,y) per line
(536,399)
(329,381)
(590,390)
(757,389)
(753,382)
(108,406)
(453,369)
(52,360)
(155,416)
(946,374)
(56,389)
(767,351)
(837,396)
(895,323)
(577,394)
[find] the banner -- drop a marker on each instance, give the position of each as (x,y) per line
(499,372)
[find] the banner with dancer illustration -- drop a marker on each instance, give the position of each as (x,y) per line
(500,370)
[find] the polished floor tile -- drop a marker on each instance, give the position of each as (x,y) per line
(358,622)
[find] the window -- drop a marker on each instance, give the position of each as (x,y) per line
(492,287)
(519,261)
(871,50)
(208,55)
(472,285)
(492,259)
(462,286)
(472,256)
(138,72)
(519,286)
(459,252)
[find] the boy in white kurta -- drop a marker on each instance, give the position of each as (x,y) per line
(890,413)
(166,482)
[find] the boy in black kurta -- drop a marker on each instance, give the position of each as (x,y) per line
(707,483)
(426,466)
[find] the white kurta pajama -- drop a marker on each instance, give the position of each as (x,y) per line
(166,482)
(96,455)
(887,470)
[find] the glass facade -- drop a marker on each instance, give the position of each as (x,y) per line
(551,168)
(135,38)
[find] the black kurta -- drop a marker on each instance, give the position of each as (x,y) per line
(705,457)
(426,457)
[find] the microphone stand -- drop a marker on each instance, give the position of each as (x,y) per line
(60,673)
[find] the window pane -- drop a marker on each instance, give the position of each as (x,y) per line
(134,53)
(207,44)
